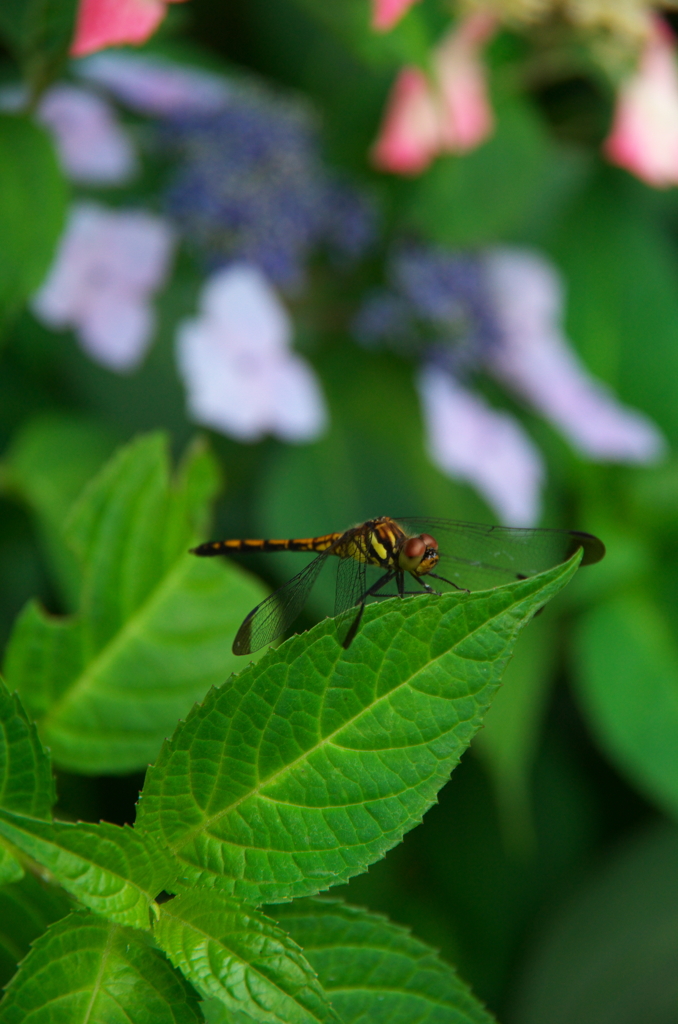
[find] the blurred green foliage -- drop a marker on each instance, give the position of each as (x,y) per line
(546,873)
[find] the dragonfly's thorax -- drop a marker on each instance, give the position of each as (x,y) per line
(377,542)
(383,542)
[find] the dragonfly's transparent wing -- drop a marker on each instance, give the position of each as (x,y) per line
(476,557)
(351,584)
(276,614)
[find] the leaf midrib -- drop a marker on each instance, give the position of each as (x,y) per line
(208,823)
(108,652)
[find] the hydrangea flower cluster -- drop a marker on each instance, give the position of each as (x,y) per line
(499,312)
(251,187)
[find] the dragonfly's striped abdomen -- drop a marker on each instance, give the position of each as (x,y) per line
(224,547)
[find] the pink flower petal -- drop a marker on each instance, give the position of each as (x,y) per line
(535,360)
(470,441)
(387,12)
(449,112)
(410,134)
(103,23)
(240,376)
(467,118)
(644,135)
(116,331)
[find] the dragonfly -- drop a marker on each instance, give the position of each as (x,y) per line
(458,556)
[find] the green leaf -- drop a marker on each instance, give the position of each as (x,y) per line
(155,624)
(627,675)
(376,971)
(235,954)
(49,461)
(40,33)
(26,782)
(26,909)
(33,198)
(113,871)
(86,971)
(309,765)
(611,955)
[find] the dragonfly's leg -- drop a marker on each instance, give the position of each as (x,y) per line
(429,589)
(400,583)
(372,592)
(456,586)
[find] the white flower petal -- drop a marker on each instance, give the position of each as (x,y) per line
(153,85)
(240,376)
(298,409)
(93,147)
(116,331)
(108,265)
(536,361)
(489,449)
(251,316)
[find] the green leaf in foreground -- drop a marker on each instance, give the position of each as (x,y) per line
(155,625)
(627,676)
(87,971)
(235,954)
(376,971)
(27,907)
(314,762)
(113,871)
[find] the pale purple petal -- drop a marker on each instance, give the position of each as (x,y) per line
(108,265)
(93,147)
(153,85)
(535,359)
(488,449)
(241,297)
(116,331)
(240,376)
(298,409)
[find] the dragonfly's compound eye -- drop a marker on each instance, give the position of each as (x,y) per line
(429,541)
(411,553)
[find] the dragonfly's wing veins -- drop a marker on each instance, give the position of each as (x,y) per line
(476,556)
(275,615)
(351,584)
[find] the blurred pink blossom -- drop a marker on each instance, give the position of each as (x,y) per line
(535,360)
(102,23)
(108,265)
(241,376)
(644,136)
(153,85)
(446,112)
(386,13)
(469,440)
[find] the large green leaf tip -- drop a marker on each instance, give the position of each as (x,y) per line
(311,764)
(154,627)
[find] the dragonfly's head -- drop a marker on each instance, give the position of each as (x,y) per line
(419,555)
